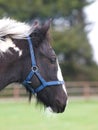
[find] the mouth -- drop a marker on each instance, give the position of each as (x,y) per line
(55,106)
(55,109)
(58,110)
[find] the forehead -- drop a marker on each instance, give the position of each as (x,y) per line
(41,40)
(47,49)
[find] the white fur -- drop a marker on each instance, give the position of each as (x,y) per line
(60,77)
(6,44)
(14,28)
(49,113)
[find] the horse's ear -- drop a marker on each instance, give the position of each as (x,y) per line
(36,24)
(46,26)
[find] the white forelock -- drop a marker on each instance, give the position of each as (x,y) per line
(15,29)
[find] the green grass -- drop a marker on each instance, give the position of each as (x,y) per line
(19,115)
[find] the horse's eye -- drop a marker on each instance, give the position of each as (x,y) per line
(53,60)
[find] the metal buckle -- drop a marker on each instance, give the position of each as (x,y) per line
(34,68)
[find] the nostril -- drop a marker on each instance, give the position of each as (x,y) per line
(62,99)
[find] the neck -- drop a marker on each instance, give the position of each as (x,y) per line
(11,62)
(9,69)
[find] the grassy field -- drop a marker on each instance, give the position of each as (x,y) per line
(19,115)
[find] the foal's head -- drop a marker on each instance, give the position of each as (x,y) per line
(15,62)
(55,96)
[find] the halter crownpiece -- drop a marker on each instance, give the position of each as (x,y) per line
(35,71)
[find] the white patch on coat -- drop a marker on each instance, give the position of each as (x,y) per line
(6,44)
(60,77)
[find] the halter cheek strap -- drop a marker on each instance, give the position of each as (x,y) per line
(35,71)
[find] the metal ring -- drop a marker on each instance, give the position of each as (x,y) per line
(34,68)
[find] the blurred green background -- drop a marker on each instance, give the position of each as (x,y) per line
(19,115)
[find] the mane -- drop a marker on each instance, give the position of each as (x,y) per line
(14,28)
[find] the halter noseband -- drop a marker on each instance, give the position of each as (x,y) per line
(35,71)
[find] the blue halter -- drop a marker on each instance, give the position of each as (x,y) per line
(35,71)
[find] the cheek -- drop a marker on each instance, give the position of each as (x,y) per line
(51,73)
